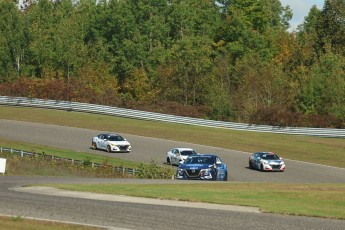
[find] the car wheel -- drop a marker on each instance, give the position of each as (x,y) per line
(250,165)
(108,148)
(226,177)
(94,145)
(168,161)
(261,168)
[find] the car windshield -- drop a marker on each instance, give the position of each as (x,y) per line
(187,152)
(270,157)
(115,138)
(200,160)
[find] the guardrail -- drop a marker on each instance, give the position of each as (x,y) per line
(22,153)
(143,115)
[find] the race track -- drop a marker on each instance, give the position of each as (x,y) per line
(145,216)
(146,149)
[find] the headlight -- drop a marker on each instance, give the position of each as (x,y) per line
(179,170)
(207,170)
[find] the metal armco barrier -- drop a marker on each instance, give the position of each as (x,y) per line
(136,114)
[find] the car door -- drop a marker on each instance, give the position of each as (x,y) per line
(174,156)
(102,142)
(256,160)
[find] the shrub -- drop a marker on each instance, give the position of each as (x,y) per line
(153,171)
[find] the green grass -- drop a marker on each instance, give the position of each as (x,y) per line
(69,154)
(325,151)
(19,223)
(321,200)
(318,200)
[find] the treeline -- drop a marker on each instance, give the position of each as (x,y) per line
(232,60)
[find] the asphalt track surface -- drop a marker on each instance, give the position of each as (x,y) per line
(129,214)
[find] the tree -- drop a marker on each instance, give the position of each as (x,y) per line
(323,91)
(331,27)
(12,41)
(39,18)
(191,67)
(68,39)
(263,86)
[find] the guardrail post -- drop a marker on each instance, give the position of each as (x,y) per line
(92,165)
(11,150)
(123,171)
(22,153)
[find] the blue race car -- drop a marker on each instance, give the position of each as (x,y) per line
(202,167)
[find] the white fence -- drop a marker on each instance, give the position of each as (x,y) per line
(136,114)
(22,153)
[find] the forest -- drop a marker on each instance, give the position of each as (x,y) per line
(229,60)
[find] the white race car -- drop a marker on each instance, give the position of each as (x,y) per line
(266,161)
(176,156)
(111,143)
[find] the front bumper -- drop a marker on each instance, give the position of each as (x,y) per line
(195,174)
(273,167)
(121,148)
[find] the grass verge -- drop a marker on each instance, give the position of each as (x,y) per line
(325,151)
(19,223)
(317,200)
(296,199)
(69,154)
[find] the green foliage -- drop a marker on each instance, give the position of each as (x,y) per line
(331,27)
(153,171)
(87,162)
(323,91)
(12,41)
(212,55)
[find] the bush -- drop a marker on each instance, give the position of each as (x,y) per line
(153,171)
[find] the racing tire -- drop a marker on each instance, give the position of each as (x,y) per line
(261,168)
(168,161)
(226,177)
(109,149)
(250,165)
(94,146)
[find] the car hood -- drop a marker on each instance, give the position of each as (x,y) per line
(273,161)
(195,166)
(119,142)
(183,157)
